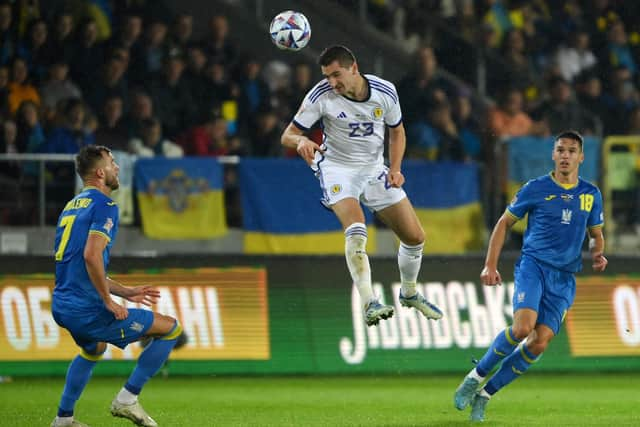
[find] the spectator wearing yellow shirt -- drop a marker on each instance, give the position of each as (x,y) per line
(20,89)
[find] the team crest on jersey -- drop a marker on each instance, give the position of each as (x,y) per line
(566,216)
(108,225)
(521,296)
(336,188)
(135,326)
(377,113)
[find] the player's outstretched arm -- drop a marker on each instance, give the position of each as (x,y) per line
(490,275)
(596,247)
(292,137)
(397,146)
(144,294)
(93,249)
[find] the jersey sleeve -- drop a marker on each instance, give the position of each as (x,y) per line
(393,118)
(310,110)
(522,202)
(105,218)
(596,216)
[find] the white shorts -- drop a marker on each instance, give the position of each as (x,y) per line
(368,185)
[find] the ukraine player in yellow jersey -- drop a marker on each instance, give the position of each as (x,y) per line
(354,110)
(82,301)
(561,206)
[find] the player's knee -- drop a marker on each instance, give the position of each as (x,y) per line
(414,237)
(538,345)
(94,352)
(521,331)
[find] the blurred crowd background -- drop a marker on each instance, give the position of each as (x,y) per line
(133,76)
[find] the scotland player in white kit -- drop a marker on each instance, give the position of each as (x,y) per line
(354,110)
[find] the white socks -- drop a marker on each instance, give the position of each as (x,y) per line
(409,262)
(475,375)
(126,397)
(355,250)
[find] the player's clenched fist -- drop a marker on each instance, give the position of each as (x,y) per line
(307,149)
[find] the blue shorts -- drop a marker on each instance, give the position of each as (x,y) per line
(547,290)
(104,327)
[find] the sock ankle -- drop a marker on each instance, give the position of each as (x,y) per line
(126,397)
(475,375)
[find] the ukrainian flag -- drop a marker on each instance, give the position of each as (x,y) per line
(181,198)
(446,198)
(282,213)
(530,157)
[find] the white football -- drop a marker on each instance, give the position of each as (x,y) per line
(290,30)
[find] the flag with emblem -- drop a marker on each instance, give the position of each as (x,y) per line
(446,198)
(181,198)
(282,213)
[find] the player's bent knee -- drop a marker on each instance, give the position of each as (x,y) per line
(520,332)
(163,325)
(94,353)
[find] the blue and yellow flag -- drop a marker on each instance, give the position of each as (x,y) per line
(181,198)
(446,198)
(530,157)
(282,213)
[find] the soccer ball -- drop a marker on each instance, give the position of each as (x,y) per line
(290,30)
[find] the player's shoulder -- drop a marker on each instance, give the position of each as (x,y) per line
(318,90)
(588,186)
(382,86)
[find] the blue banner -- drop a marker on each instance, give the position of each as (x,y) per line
(282,213)
(530,157)
(446,197)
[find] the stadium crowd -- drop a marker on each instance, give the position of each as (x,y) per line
(132,76)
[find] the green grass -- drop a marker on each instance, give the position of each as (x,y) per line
(534,400)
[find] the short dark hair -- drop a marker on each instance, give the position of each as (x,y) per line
(88,157)
(339,53)
(571,134)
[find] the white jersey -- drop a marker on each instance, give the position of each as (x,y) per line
(353,130)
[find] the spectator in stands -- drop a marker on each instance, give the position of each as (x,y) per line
(195,77)
(264,137)
(422,87)
(151,143)
(4,91)
(620,99)
(62,42)
(254,93)
(20,88)
(219,86)
(436,138)
(497,18)
(153,49)
(8,145)
(172,99)
(182,31)
(217,44)
(468,127)
(36,50)
(8,34)
(576,57)
(58,87)
(112,131)
(300,86)
(618,50)
(71,135)
(589,93)
(519,70)
(30,137)
(128,33)
(141,108)
(209,139)
(508,119)
(110,80)
(88,55)
(561,111)
(633,124)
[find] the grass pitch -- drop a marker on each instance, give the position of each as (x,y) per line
(536,399)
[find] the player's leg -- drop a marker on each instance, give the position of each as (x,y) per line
(403,221)
(78,375)
(529,280)
(513,366)
(165,331)
(351,217)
